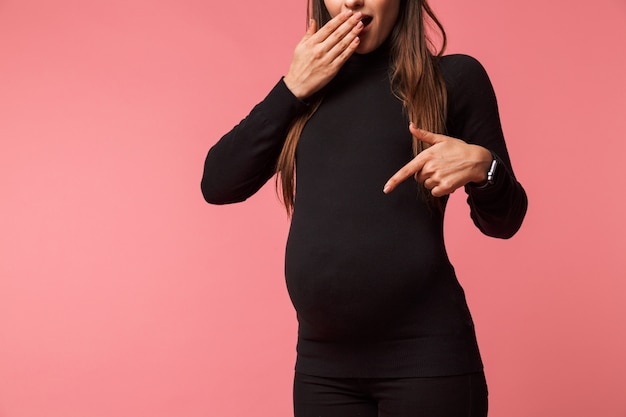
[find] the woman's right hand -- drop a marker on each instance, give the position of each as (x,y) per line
(321,53)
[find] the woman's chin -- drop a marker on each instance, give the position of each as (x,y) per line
(365,48)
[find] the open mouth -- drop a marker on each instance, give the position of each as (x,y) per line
(366,20)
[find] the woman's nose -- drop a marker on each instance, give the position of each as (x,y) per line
(353,4)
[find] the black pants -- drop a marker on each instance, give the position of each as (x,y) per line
(451,396)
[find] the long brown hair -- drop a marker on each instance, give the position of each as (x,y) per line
(415,79)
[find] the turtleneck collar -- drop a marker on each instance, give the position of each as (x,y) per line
(378,58)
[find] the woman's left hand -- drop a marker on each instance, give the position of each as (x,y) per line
(446,165)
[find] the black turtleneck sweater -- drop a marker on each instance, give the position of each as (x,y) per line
(368,273)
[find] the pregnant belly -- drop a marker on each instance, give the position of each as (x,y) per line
(366,286)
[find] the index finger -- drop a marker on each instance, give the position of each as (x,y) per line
(333,24)
(407,171)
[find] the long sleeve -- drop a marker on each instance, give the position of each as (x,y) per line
(244,159)
(498,209)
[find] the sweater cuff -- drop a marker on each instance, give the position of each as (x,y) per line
(501,178)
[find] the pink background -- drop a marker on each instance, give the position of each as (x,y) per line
(123,294)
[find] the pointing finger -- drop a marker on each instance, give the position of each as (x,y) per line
(407,171)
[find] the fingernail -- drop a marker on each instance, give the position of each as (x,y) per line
(386,188)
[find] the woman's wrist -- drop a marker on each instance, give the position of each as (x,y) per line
(483,167)
(294,88)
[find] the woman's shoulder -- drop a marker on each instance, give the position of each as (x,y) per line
(467,82)
(459,60)
(471,101)
(462,71)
